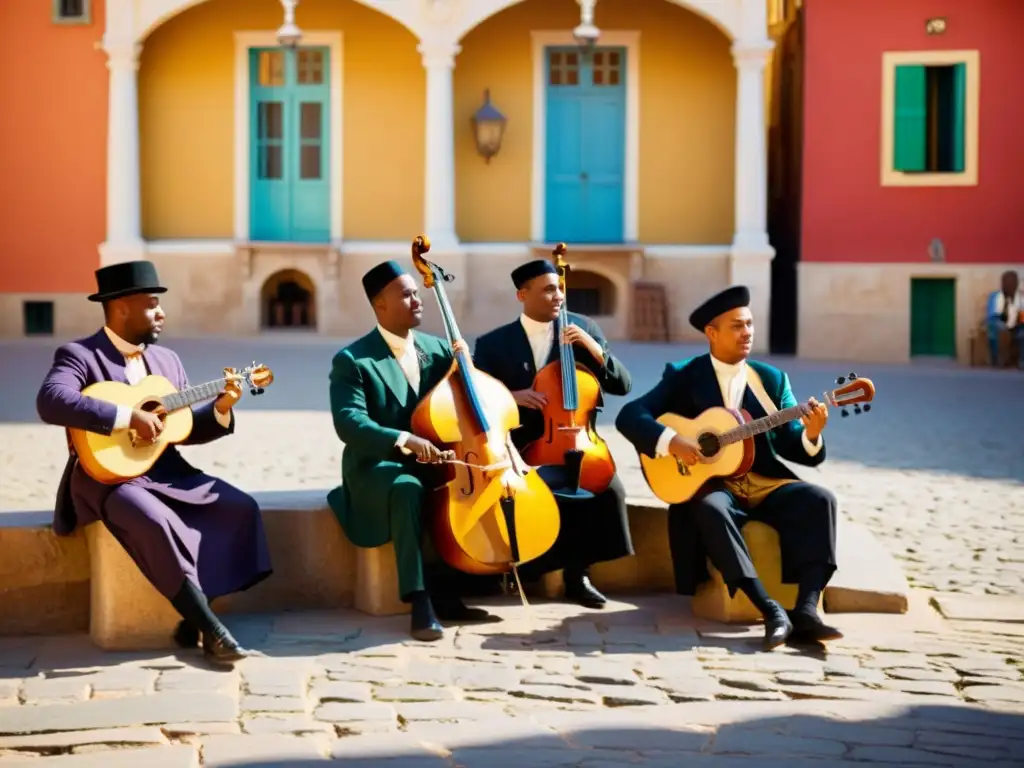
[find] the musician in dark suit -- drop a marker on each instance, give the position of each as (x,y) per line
(708,526)
(376,383)
(193,536)
(595,529)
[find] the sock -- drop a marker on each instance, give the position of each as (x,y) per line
(754,589)
(812,584)
(191,603)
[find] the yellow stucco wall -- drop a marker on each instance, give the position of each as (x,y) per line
(186,115)
(687,120)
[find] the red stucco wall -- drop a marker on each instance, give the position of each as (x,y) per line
(847,214)
(53,124)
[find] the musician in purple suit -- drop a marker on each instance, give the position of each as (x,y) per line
(194,536)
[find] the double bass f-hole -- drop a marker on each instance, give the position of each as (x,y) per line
(470,458)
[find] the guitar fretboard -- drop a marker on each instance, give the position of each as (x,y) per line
(192,395)
(753,428)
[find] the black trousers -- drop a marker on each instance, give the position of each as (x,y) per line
(591,531)
(804,515)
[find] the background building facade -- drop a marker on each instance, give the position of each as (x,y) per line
(912,173)
(264,181)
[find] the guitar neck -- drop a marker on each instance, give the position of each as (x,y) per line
(192,395)
(762,425)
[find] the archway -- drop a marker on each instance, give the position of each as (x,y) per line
(288,301)
(591,294)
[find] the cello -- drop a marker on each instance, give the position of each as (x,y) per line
(570,432)
(493,511)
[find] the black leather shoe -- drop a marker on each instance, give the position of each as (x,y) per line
(186,635)
(578,589)
(453,609)
(777,628)
(809,627)
(424,625)
(223,650)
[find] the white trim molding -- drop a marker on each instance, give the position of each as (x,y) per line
(245,40)
(630,40)
(972,62)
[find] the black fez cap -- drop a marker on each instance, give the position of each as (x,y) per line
(730,298)
(531,269)
(376,279)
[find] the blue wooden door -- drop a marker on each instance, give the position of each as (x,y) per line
(290,145)
(586,145)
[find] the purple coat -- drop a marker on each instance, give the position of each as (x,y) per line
(78,364)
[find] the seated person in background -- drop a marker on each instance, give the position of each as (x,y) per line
(375,385)
(1004,316)
(708,525)
(193,536)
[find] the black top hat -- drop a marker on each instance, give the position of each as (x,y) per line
(126,278)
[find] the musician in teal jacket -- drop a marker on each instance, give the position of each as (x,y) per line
(708,526)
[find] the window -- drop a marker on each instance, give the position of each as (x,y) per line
(72,12)
(930,118)
(38,318)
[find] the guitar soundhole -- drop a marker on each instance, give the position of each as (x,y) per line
(709,444)
(149,405)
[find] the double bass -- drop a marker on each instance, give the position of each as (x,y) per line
(493,511)
(570,415)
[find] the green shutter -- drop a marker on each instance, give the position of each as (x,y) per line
(959,115)
(911,115)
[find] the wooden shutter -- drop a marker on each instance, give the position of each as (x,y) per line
(959,116)
(911,117)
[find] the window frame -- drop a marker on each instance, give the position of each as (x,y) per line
(971,59)
(84,19)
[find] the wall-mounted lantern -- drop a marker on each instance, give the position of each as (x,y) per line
(936,26)
(488,128)
(289,34)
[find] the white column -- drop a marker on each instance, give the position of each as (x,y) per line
(751,226)
(439,191)
(124,220)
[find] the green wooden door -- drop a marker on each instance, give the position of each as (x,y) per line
(933,316)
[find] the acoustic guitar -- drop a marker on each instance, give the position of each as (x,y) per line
(726,440)
(123,455)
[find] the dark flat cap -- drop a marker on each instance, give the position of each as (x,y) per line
(531,269)
(377,279)
(730,298)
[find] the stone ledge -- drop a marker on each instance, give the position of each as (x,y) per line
(45,579)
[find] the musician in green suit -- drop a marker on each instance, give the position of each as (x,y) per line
(375,385)
(707,527)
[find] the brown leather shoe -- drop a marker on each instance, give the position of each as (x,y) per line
(224,650)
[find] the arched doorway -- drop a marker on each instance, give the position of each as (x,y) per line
(287,301)
(591,294)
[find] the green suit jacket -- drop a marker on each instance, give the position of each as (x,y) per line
(372,404)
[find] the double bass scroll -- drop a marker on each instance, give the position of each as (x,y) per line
(570,416)
(492,512)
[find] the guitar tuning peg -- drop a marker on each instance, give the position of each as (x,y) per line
(852,377)
(840,379)
(856,409)
(867,408)
(259,391)
(844,413)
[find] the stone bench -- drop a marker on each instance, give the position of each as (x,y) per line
(87,582)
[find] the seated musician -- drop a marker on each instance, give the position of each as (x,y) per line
(708,526)
(193,536)
(375,384)
(592,530)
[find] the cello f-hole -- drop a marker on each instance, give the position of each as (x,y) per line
(551,431)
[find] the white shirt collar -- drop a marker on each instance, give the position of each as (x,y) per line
(727,370)
(124,347)
(533,327)
(393,341)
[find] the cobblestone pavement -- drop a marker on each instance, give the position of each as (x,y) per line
(638,683)
(936,469)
